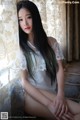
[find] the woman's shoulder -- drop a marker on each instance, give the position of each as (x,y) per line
(51,40)
(56,47)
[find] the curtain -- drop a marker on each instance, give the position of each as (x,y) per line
(8,38)
(73,28)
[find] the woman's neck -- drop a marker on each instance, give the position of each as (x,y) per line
(31,39)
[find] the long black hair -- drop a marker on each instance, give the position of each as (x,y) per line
(40,40)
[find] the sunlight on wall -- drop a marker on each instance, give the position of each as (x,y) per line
(8,39)
(9,34)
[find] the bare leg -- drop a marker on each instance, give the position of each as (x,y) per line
(35,108)
(73,106)
(75,109)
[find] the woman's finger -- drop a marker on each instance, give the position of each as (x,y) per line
(62,111)
(58,118)
(66,109)
(58,110)
(64,118)
(68,116)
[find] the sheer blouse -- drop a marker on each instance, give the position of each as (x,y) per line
(41,79)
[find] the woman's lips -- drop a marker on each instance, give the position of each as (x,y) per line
(27,28)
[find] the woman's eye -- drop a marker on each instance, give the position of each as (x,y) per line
(29,17)
(20,20)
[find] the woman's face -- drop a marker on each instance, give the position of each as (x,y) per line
(25,20)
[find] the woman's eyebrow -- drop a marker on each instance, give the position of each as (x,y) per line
(25,15)
(19,17)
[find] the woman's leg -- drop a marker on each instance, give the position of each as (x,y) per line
(75,109)
(35,108)
(73,106)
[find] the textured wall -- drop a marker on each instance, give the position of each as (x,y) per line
(8,38)
(8,32)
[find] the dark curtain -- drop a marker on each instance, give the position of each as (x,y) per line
(73,30)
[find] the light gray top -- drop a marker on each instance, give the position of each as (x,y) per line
(39,67)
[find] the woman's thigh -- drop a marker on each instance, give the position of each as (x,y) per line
(34,108)
(73,106)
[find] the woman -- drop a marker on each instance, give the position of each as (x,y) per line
(41,68)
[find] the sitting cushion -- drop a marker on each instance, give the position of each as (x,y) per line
(72,82)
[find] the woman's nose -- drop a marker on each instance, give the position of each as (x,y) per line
(25,22)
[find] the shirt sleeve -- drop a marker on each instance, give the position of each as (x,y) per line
(20,61)
(58,51)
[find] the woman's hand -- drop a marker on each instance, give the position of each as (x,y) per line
(53,108)
(61,105)
(62,108)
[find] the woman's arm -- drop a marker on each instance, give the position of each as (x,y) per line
(60,99)
(60,78)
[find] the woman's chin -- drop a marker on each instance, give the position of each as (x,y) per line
(27,32)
